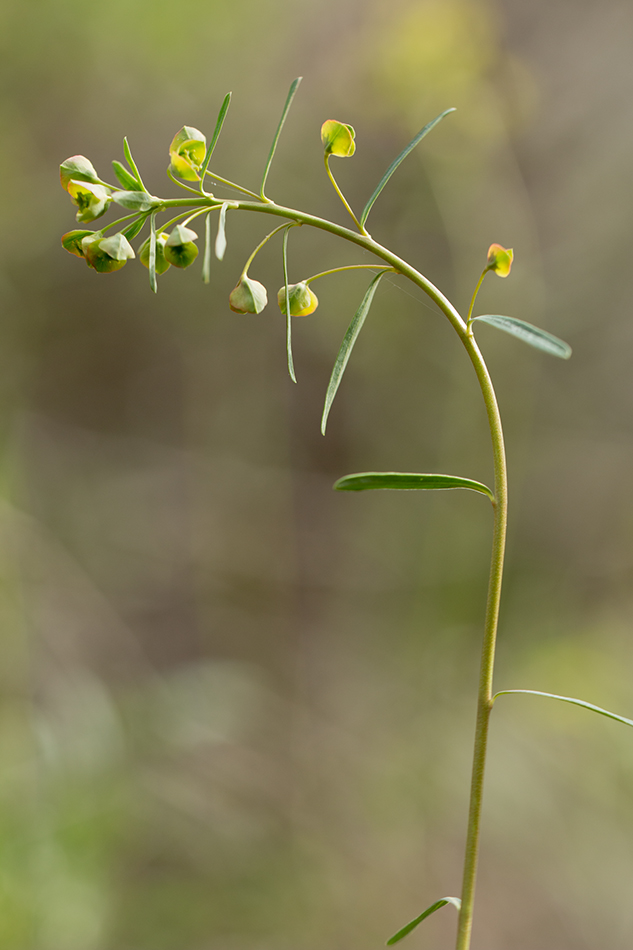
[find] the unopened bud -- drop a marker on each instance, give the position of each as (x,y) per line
(302,300)
(500,259)
(79,168)
(71,241)
(338,138)
(179,248)
(107,254)
(248,297)
(143,254)
(92,200)
(186,152)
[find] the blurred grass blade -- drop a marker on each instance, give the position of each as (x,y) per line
(284,254)
(127,181)
(532,335)
(220,241)
(290,97)
(407,481)
(455,901)
(132,164)
(401,157)
(347,346)
(206,263)
(152,254)
(224,108)
(567,699)
(135,228)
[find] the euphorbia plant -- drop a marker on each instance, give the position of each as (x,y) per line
(173,242)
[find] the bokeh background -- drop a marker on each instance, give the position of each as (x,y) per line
(236,708)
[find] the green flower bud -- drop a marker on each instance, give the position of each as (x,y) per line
(71,241)
(500,259)
(248,297)
(303,301)
(187,151)
(179,248)
(107,254)
(338,138)
(79,168)
(92,200)
(143,254)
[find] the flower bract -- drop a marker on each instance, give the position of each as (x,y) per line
(302,300)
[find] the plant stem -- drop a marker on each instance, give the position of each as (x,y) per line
(464,331)
(341,195)
(336,270)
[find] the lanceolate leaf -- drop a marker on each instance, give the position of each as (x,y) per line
(152,254)
(126,180)
(568,699)
(132,164)
(401,157)
(206,263)
(541,339)
(366,481)
(284,254)
(136,227)
(220,241)
(347,346)
(290,97)
(224,108)
(455,901)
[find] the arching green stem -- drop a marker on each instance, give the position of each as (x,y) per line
(341,195)
(464,331)
(336,270)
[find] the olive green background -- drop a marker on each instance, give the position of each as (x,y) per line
(236,708)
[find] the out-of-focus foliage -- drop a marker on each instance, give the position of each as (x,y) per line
(236,706)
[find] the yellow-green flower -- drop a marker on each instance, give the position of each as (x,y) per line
(107,254)
(161,263)
(179,248)
(71,241)
(302,300)
(500,259)
(186,152)
(248,297)
(92,200)
(79,168)
(338,138)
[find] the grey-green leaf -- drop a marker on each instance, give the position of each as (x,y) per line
(291,94)
(396,162)
(152,254)
(347,346)
(530,334)
(567,699)
(220,241)
(135,200)
(284,254)
(206,263)
(224,108)
(132,163)
(135,228)
(126,180)
(407,481)
(455,901)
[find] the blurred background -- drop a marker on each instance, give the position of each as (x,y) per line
(236,708)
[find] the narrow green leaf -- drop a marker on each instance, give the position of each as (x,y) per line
(135,228)
(206,263)
(407,481)
(224,108)
(126,180)
(132,163)
(284,254)
(290,97)
(455,901)
(347,346)
(152,254)
(135,200)
(567,699)
(532,335)
(401,157)
(220,241)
